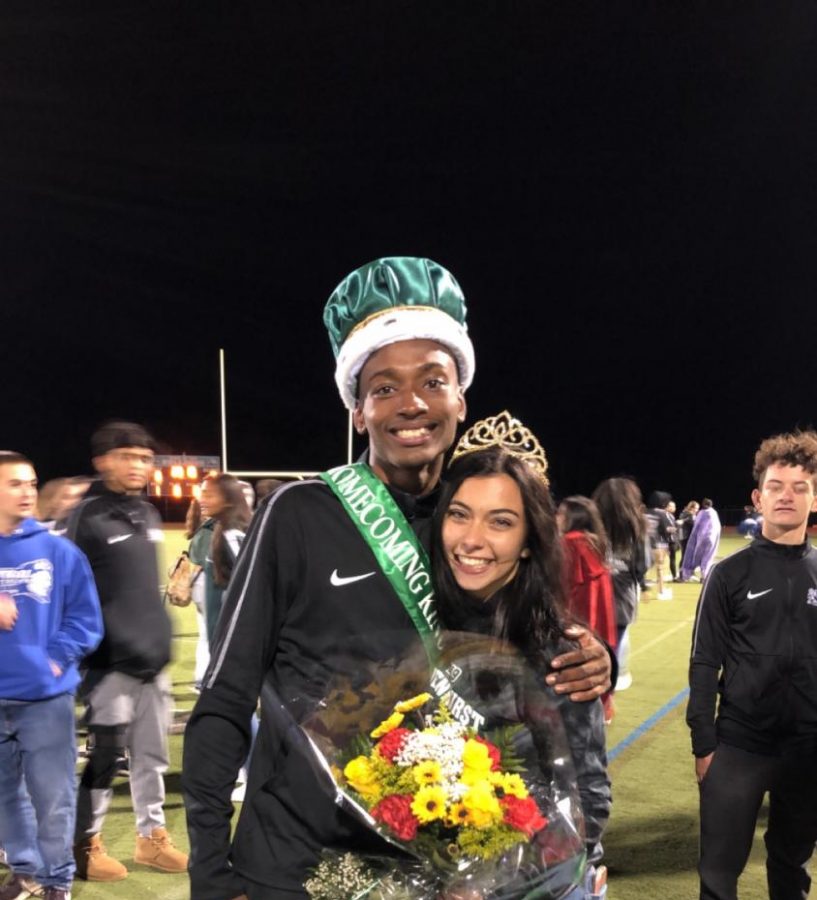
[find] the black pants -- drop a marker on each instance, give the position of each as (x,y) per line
(684,542)
(731,794)
(672,553)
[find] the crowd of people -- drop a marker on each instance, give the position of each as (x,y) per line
(320,573)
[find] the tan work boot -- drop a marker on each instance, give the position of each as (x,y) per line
(93,862)
(158,852)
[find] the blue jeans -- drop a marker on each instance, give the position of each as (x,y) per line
(38,788)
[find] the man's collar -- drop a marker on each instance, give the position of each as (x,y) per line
(414,507)
(790,551)
(411,505)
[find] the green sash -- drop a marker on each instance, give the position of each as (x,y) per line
(394,544)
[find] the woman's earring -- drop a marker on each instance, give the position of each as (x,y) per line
(525,553)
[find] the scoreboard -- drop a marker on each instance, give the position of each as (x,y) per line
(179,477)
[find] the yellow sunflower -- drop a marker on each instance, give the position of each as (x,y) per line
(429,804)
(457,816)
(512,784)
(428,772)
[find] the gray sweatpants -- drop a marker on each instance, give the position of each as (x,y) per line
(124,712)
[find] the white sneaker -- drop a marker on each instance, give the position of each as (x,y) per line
(665,595)
(624,681)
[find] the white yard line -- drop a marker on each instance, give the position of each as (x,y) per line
(661,637)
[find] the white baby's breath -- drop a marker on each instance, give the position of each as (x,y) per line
(443,744)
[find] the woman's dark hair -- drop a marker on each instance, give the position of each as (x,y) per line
(530,611)
(582,514)
(235,515)
(621,510)
(192,519)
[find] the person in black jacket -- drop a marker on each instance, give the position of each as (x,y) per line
(308,592)
(125,689)
(754,653)
(685,522)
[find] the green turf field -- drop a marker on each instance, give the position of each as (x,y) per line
(651,843)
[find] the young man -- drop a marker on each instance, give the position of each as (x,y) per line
(49,620)
(756,628)
(126,689)
(308,588)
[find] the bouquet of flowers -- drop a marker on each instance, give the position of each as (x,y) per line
(472,787)
(437,783)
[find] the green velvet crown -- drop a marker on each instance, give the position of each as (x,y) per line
(387,283)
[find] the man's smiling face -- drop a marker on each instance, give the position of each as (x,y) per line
(409,402)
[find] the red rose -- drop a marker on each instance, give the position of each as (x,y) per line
(395,811)
(523,814)
(391,744)
(493,752)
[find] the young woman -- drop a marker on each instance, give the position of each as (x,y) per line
(589,585)
(621,510)
(224,506)
(223,502)
(199,533)
(498,570)
(587,575)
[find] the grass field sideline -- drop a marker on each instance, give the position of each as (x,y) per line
(651,843)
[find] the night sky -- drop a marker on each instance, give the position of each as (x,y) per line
(626,192)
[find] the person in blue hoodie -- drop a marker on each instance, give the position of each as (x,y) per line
(49,620)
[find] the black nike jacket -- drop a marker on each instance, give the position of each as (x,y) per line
(307,599)
(755,646)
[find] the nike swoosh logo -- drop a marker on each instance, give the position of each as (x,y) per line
(118,537)
(751,596)
(337,581)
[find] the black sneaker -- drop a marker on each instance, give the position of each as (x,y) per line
(56,894)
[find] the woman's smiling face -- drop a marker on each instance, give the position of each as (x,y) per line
(484,533)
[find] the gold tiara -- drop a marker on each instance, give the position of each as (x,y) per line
(510,435)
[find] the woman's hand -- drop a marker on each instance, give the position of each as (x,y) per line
(583,673)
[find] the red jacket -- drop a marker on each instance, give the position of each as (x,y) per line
(589,586)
